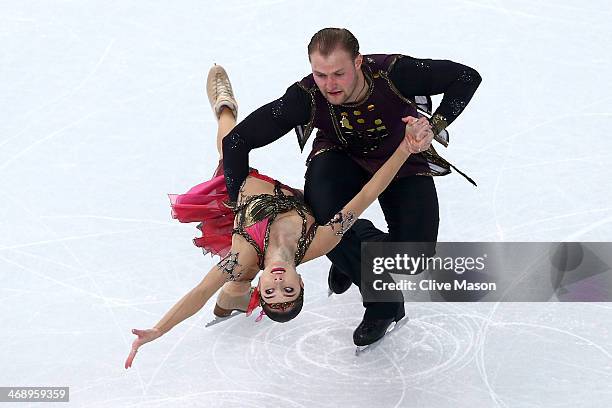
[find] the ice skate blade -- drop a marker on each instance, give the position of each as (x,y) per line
(329,292)
(218,319)
(392,327)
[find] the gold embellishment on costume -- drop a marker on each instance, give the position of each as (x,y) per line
(325,149)
(356,113)
(367,74)
(370,108)
(422,111)
(433,157)
(335,123)
(371,130)
(392,64)
(381,128)
(307,129)
(255,208)
(378,122)
(343,114)
(438,123)
(229,204)
(345,123)
(299,256)
(376,75)
(250,240)
(360,120)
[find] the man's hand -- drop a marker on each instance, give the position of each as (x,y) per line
(418,135)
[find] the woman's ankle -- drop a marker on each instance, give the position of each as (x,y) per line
(226,113)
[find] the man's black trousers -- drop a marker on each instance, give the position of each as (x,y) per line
(409,204)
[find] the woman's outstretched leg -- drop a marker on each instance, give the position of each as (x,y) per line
(226,122)
(222,101)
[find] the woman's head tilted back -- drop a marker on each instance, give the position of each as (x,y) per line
(281,292)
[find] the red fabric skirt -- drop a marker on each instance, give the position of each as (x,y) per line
(205,203)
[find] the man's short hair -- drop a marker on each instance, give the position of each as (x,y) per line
(325,41)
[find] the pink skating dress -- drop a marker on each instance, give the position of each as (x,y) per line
(208,204)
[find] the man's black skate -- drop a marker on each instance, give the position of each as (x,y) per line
(337,281)
(370,330)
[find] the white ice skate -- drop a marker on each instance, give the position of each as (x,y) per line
(218,319)
(219,91)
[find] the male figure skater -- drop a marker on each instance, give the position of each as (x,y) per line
(360,105)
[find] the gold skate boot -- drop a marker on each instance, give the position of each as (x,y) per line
(227,303)
(219,90)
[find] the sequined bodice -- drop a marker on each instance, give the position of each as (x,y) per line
(257,208)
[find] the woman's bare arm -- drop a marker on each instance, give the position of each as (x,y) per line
(239,262)
(329,235)
(193,301)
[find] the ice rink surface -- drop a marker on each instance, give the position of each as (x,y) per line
(104,113)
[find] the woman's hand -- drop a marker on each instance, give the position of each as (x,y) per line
(144,336)
(418,135)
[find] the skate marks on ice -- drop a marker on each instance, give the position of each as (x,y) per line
(494,350)
(315,344)
(437,342)
(541,351)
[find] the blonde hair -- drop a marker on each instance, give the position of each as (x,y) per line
(328,39)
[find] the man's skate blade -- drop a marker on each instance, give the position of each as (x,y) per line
(218,319)
(359,350)
(392,327)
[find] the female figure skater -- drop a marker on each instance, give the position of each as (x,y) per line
(269,229)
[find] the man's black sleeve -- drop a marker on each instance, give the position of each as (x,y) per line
(262,127)
(458,83)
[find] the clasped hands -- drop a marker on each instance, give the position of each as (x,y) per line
(418,136)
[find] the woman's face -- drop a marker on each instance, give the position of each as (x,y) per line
(280,284)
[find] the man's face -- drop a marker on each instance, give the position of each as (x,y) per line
(336,75)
